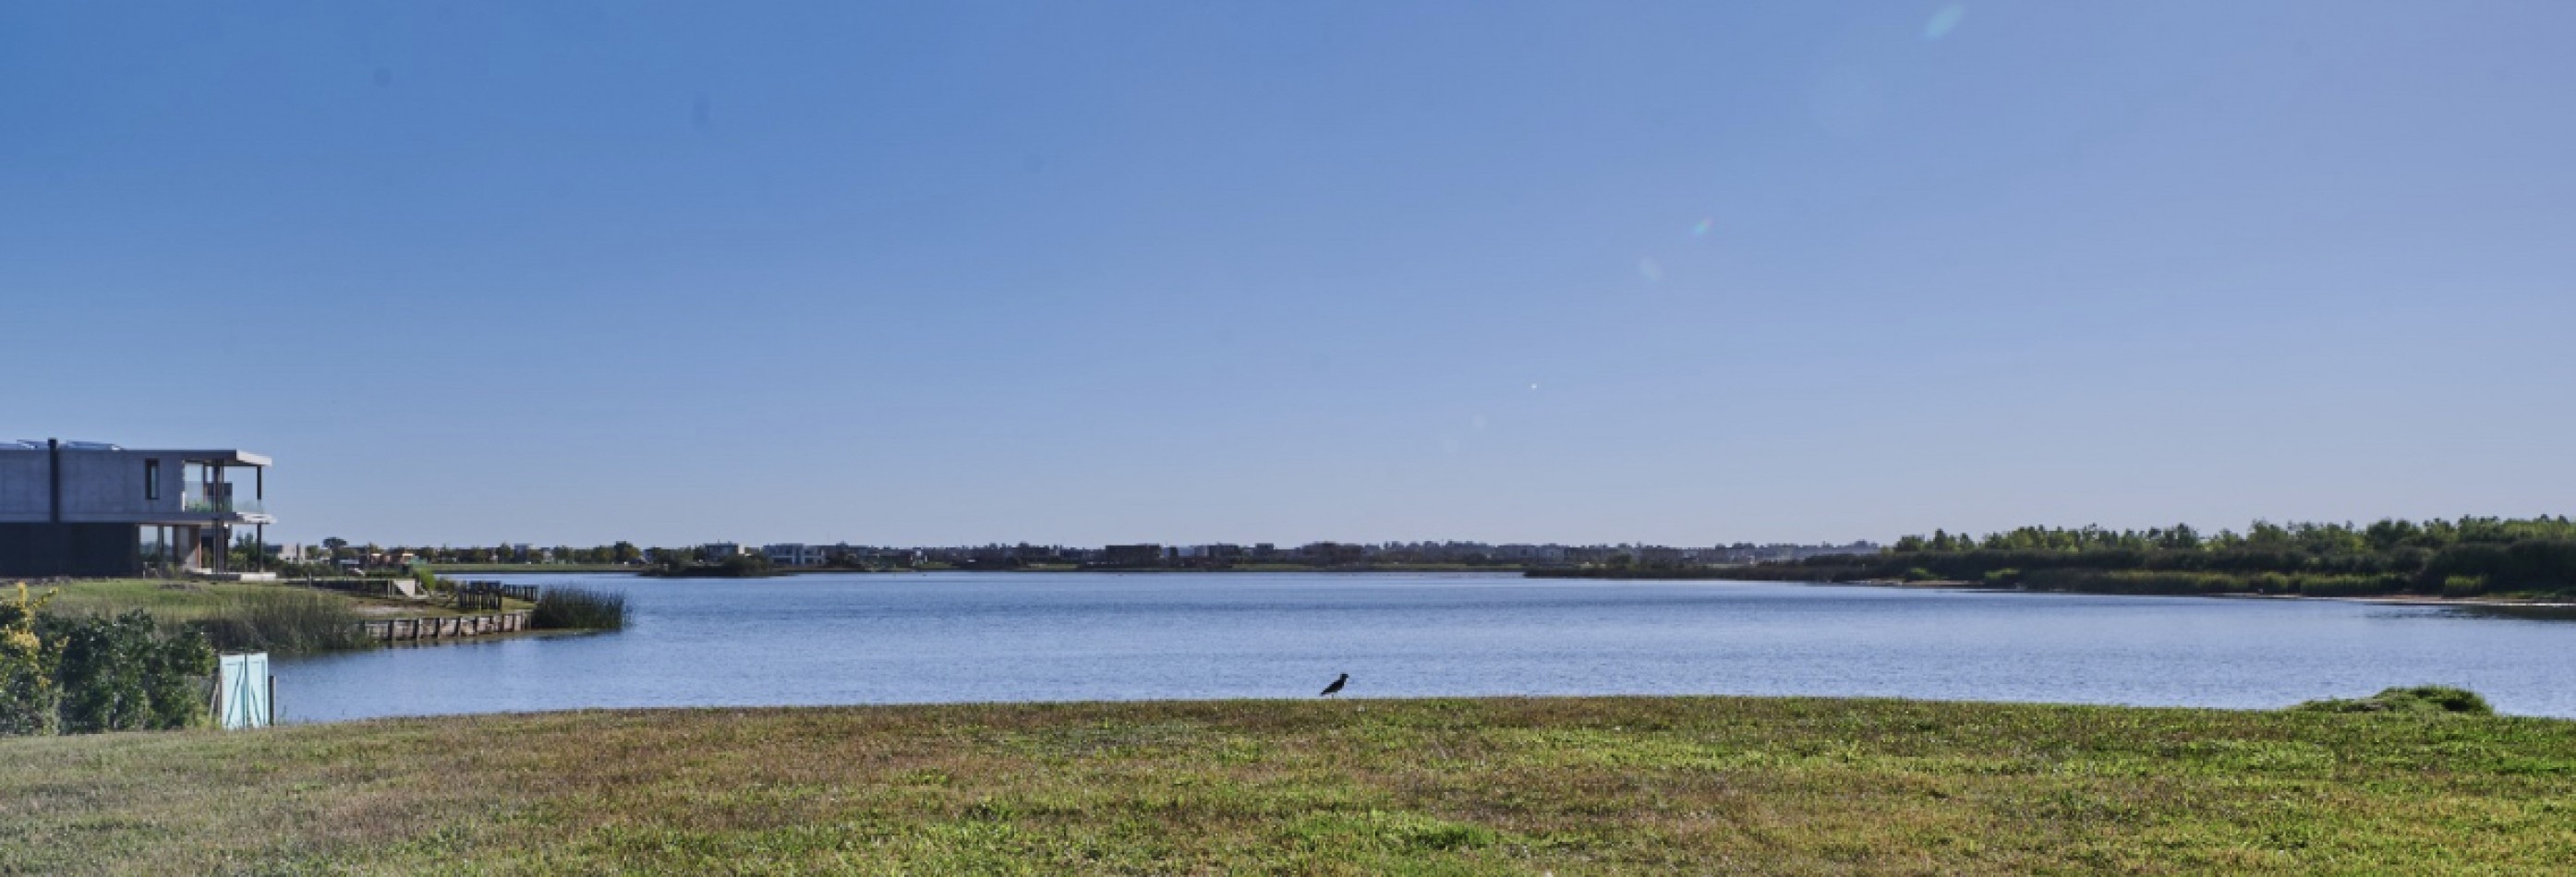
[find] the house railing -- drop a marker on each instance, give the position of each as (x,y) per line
(200,504)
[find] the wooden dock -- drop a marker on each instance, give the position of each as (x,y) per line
(405,630)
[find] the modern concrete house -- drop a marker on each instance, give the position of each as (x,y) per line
(83,509)
(802,554)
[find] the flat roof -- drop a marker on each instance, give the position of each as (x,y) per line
(227,456)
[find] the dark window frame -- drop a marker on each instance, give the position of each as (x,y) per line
(151,480)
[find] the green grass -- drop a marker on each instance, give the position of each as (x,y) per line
(2419,699)
(274,616)
(168,601)
(179,601)
(1573,786)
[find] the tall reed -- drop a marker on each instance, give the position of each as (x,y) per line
(578,609)
(285,619)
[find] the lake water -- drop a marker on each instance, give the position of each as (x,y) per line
(942,637)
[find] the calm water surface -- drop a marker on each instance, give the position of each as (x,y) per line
(852,639)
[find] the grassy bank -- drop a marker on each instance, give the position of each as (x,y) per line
(1452,786)
(272,616)
(2077,581)
(465,569)
(183,601)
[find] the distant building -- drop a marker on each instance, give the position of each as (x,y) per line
(799,554)
(1652,555)
(81,509)
(717,551)
(1333,552)
(1132,555)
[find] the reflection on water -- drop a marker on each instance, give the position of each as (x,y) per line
(2549,612)
(845,639)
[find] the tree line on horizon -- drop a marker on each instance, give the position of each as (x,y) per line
(2468,556)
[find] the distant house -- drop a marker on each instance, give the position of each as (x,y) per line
(83,509)
(801,554)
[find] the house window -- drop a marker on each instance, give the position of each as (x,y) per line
(152,480)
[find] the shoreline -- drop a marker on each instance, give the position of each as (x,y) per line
(1544,573)
(1143,570)
(2398,599)
(2382,599)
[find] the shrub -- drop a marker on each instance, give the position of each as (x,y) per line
(2420,700)
(88,674)
(120,674)
(578,609)
(2348,586)
(2132,581)
(28,698)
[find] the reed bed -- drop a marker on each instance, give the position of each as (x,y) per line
(578,609)
(286,619)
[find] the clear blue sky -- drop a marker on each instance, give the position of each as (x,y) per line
(1092,272)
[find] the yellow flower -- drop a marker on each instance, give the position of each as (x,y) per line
(21,641)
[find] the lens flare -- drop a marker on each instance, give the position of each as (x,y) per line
(1700,230)
(1944,21)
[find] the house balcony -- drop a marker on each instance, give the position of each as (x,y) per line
(218,501)
(198,505)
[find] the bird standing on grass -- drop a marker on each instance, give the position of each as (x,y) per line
(1336,687)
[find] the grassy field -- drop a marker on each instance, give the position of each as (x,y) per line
(184,600)
(1572,786)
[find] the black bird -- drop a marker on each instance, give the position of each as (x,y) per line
(1336,687)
